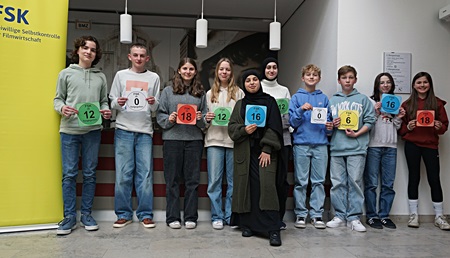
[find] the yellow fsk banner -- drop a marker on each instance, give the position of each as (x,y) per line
(33,38)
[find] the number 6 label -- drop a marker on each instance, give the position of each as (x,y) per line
(349,120)
(88,113)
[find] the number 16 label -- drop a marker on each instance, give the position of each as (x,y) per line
(390,104)
(319,115)
(88,113)
(255,114)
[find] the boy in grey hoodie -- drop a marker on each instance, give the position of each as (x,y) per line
(80,83)
(353,116)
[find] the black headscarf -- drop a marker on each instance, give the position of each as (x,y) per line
(264,65)
(273,117)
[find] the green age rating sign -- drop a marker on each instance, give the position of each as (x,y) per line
(89,113)
(283,105)
(222,116)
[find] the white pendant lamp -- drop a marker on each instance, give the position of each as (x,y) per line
(201,39)
(275,33)
(126,31)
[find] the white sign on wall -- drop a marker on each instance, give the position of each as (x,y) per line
(399,66)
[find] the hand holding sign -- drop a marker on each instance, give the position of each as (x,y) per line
(89,114)
(255,114)
(349,120)
(187,114)
(390,103)
(425,118)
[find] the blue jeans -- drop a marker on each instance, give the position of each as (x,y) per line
(219,158)
(380,162)
(89,143)
(347,196)
(134,163)
(308,158)
(182,161)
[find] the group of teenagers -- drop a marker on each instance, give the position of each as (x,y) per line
(250,151)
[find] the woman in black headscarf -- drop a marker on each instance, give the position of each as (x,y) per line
(255,203)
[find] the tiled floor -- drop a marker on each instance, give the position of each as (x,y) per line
(136,241)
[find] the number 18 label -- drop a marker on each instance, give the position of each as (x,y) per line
(425,118)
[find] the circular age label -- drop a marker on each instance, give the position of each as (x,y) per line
(222,116)
(390,104)
(136,101)
(89,114)
(256,115)
(186,114)
(283,105)
(349,120)
(425,118)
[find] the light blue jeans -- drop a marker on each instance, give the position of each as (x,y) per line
(89,143)
(346,192)
(380,162)
(219,158)
(134,163)
(310,160)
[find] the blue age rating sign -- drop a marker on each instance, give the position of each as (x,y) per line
(255,114)
(390,104)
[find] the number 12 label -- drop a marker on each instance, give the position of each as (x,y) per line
(222,116)
(255,114)
(88,113)
(283,105)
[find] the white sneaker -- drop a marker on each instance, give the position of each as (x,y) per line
(356,225)
(217,224)
(190,225)
(300,222)
(318,223)
(175,224)
(335,223)
(413,221)
(441,223)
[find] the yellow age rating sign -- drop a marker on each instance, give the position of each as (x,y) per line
(349,120)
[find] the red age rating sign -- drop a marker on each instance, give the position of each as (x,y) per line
(187,114)
(425,118)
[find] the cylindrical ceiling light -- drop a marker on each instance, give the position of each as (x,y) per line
(275,32)
(201,40)
(126,30)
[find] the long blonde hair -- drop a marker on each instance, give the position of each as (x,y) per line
(232,87)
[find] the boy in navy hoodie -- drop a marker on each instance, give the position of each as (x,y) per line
(353,116)
(308,115)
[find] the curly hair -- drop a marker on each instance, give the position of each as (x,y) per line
(81,42)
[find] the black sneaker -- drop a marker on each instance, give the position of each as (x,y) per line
(374,223)
(274,238)
(388,223)
(283,225)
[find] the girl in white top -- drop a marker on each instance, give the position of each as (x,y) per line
(223,94)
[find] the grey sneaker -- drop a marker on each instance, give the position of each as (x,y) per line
(66,225)
(441,222)
(300,222)
(413,221)
(190,225)
(88,222)
(318,223)
(217,224)
(175,224)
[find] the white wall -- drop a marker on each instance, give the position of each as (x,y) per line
(333,33)
(310,36)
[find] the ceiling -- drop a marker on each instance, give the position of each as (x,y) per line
(243,15)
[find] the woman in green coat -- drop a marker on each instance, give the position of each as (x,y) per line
(255,127)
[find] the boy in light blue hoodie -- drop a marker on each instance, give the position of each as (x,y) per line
(308,115)
(353,117)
